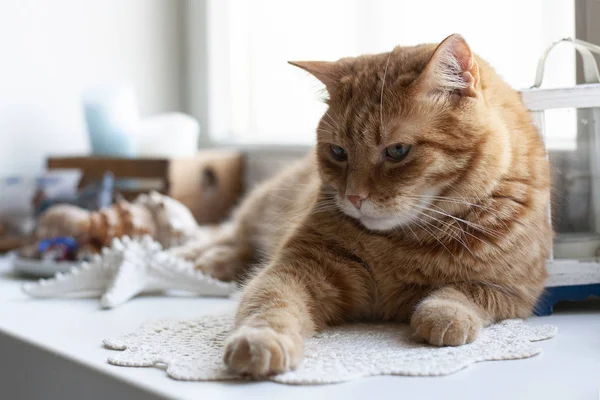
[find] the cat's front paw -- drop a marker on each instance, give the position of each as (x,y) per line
(445,323)
(262,351)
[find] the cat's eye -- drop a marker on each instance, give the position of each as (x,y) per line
(338,153)
(397,152)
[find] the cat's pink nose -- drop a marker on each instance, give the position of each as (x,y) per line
(355,200)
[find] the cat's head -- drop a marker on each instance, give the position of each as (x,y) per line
(400,129)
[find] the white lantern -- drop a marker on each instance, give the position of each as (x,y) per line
(569,121)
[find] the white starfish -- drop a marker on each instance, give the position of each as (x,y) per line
(126,269)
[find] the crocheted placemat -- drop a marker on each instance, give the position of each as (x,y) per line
(193,350)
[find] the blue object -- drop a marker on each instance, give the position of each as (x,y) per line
(58,249)
(553,295)
(112,119)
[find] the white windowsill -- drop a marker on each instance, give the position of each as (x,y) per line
(61,341)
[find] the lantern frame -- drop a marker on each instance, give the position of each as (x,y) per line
(571,279)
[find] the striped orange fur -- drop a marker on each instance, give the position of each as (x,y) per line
(451,236)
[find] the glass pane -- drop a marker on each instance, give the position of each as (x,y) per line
(572,139)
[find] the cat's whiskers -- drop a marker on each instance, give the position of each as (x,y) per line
(491,230)
(331,124)
(417,220)
(449,227)
(414,234)
(326,113)
(403,230)
(480,228)
(283,198)
(459,201)
(456,200)
(299,214)
(327,203)
(458,226)
(328,125)
(451,234)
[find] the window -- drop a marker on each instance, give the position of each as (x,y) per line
(256,97)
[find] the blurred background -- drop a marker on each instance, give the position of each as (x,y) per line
(224,61)
(164,80)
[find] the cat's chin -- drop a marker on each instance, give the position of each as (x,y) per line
(379,223)
(384,224)
(369,218)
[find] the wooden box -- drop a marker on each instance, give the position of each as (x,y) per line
(209,183)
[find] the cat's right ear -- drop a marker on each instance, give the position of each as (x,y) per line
(325,71)
(451,69)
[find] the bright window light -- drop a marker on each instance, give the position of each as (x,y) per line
(256,97)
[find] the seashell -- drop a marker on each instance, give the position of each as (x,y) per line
(162,218)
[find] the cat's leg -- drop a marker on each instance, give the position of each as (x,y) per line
(273,318)
(453,315)
(287,302)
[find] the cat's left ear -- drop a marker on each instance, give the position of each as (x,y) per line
(452,69)
(325,71)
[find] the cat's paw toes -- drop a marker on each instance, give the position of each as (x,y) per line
(261,351)
(221,262)
(445,323)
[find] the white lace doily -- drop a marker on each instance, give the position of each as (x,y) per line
(193,350)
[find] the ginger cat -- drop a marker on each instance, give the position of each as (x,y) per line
(425,200)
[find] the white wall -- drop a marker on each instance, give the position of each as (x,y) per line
(51,51)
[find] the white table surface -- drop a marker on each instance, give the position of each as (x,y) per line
(66,335)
